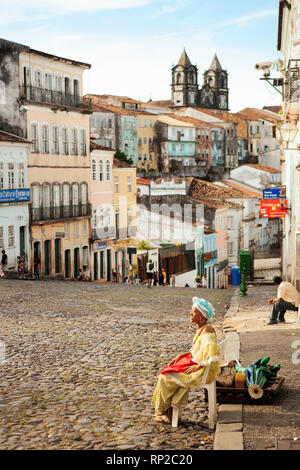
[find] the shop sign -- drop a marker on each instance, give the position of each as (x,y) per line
(274,193)
(271,208)
(14,195)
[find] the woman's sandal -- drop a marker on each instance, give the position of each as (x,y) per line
(162,419)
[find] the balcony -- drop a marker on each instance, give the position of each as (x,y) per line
(105,233)
(60,212)
(53,98)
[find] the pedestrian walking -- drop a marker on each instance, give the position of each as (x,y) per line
(288,298)
(150,272)
(37,268)
(4,262)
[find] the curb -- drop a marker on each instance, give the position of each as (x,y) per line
(229,428)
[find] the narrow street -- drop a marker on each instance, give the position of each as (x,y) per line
(82,362)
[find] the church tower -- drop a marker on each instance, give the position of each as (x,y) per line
(214,93)
(184,82)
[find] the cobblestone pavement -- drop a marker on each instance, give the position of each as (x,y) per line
(264,424)
(82,362)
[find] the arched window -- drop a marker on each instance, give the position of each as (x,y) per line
(56,195)
(84,194)
(66,195)
(94,170)
(100,170)
(75,194)
(35,196)
(108,170)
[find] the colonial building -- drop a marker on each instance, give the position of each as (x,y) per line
(185,89)
(43,102)
(14,199)
(124,213)
(103,229)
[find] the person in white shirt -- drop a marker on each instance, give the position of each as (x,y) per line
(150,272)
(288,298)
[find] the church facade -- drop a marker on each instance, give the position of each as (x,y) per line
(214,93)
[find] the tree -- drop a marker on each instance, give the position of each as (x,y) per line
(120,155)
(144,246)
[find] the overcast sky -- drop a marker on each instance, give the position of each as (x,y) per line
(132,44)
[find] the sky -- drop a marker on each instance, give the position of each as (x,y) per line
(133,44)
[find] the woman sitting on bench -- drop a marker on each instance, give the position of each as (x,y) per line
(186,371)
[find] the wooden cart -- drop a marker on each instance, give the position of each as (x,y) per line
(232,395)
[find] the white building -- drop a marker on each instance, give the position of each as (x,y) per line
(258,176)
(14,198)
(289,46)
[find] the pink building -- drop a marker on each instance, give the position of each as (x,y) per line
(103,232)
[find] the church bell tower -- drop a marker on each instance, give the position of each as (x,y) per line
(184,82)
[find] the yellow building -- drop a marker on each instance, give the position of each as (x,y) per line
(147,159)
(124,208)
(57,124)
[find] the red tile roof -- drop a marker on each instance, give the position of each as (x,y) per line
(248,192)
(119,164)
(263,168)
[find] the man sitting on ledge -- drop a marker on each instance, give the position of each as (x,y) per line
(288,298)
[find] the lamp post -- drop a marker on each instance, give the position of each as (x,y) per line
(287,133)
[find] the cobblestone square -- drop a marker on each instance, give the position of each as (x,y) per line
(82,360)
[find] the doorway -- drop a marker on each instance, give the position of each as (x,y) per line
(22,240)
(101,264)
(76,261)
(108,264)
(47,257)
(67,264)
(57,255)
(95,266)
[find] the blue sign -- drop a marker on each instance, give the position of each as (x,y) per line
(101,245)
(14,195)
(274,193)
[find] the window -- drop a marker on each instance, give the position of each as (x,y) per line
(11,236)
(140,140)
(82,142)
(76,231)
(140,156)
(48,81)
(145,123)
(84,194)
(109,123)
(94,170)
(56,195)
(74,141)
(230,223)
(66,195)
(116,182)
(37,79)
(34,138)
(145,140)
(55,142)
(1,175)
(75,194)
(107,171)
(45,139)
(35,197)
(101,176)
(84,228)
(67,230)
(21,175)
(11,176)
(151,123)
(65,141)
(129,184)
(57,83)
(76,87)
(150,140)
(150,157)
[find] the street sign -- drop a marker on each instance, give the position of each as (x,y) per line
(271,208)
(274,193)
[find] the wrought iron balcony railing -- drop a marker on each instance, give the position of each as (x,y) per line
(60,212)
(51,97)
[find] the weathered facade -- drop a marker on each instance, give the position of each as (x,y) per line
(43,102)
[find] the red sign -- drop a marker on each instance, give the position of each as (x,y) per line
(270,208)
